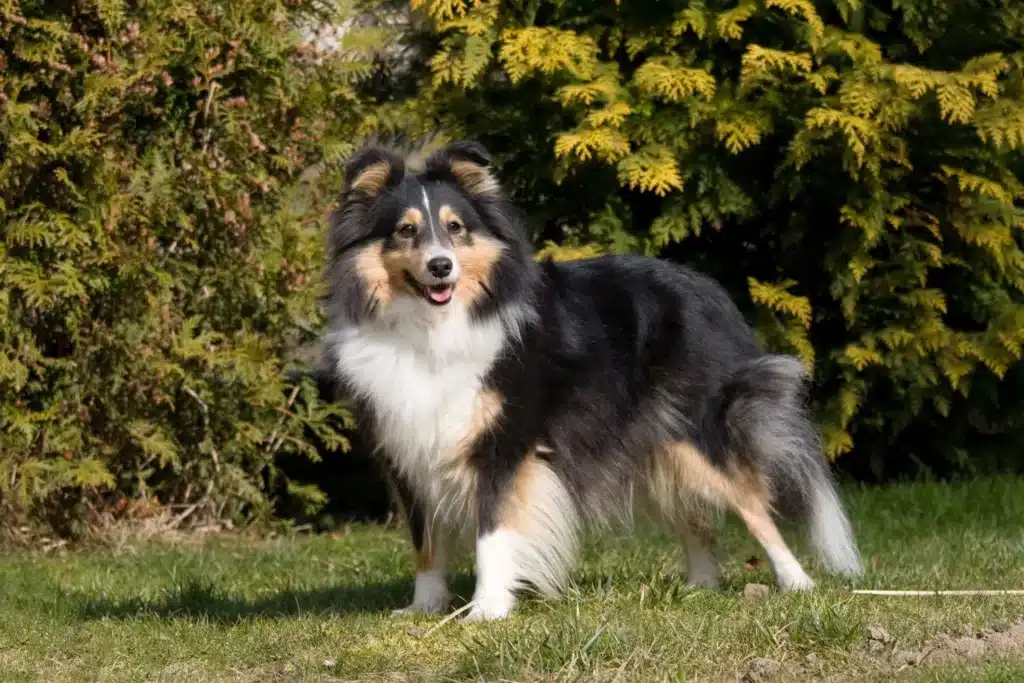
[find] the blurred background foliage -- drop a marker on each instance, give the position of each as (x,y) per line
(850,171)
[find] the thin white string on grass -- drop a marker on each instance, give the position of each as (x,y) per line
(937,593)
(448,618)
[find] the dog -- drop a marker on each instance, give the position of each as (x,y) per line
(516,401)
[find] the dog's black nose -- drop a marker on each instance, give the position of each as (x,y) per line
(439,266)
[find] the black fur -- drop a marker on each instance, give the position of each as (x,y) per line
(606,361)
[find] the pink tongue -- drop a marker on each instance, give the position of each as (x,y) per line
(440,294)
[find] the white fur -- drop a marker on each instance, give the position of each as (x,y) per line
(430,215)
(535,548)
(789,575)
(546,517)
(421,368)
(831,534)
(430,596)
(497,575)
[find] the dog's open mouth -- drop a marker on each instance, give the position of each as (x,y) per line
(438,295)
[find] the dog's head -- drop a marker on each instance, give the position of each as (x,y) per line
(442,237)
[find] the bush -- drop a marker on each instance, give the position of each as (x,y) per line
(850,170)
(165,167)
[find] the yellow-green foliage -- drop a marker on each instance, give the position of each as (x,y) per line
(158,244)
(851,169)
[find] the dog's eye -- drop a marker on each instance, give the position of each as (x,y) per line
(406,230)
(454,227)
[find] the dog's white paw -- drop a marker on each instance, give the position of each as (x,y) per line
(490,608)
(431,596)
(435,603)
(421,608)
(796,583)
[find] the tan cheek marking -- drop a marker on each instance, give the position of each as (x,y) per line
(384,272)
(476,179)
(396,263)
(373,178)
(371,268)
(476,261)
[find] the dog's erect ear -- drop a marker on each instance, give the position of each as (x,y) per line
(372,169)
(468,163)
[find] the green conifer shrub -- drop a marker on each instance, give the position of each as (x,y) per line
(165,170)
(851,170)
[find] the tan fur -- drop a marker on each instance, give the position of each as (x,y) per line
(370,266)
(512,508)
(682,469)
(412,215)
(384,273)
(448,215)
(373,178)
(539,518)
(428,551)
(477,261)
(489,406)
(475,179)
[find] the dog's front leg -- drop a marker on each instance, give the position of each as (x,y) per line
(527,536)
(498,556)
(432,541)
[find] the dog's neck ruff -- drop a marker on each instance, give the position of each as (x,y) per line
(420,371)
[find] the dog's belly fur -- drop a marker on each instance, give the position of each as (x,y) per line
(423,389)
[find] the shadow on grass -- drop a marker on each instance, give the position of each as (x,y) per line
(202,600)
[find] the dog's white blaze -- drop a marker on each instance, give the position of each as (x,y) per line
(430,216)
(421,368)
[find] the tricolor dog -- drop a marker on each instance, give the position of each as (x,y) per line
(515,401)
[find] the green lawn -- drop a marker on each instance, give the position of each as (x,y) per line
(317,608)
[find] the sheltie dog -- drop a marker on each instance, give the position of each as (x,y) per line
(514,400)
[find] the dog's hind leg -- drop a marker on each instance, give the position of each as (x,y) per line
(758,424)
(755,513)
(702,566)
(742,492)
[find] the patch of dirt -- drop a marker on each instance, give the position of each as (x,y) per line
(756,591)
(883,656)
(946,649)
(761,670)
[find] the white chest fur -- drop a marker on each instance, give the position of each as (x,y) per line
(422,375)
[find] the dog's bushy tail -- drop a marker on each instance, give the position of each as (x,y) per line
(759,416)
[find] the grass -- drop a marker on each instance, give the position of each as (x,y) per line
(316,608)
